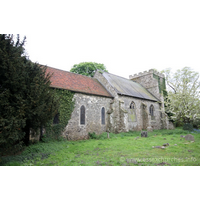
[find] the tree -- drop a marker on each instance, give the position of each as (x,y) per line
(39,98)
(88,68)
(26,99)
(183,98)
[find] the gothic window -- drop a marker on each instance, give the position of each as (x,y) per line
(56,119)
(132,112)
(132,106)
(82,115)
(151,111)
(103,115)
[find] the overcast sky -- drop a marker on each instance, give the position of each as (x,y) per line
(128,37)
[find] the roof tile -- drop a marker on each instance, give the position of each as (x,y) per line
(76,82)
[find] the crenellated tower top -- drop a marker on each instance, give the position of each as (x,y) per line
(152,80)
(151,71)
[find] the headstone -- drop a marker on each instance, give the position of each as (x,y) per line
(158,147)
(189,137)
(108,135)
(144,134)
(166,144)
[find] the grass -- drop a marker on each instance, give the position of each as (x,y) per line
(125,149)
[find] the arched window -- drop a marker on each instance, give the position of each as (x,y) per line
(82,115)
(132,106)
(151,112)
(103,115)
(132,113)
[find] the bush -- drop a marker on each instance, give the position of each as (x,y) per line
(92,135)
(188,127)
(39,150)
(196,124)
(103,136)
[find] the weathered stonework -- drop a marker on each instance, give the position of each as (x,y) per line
(123,113)
(142,123)
(147,80)
(105,83)
(127,106)
(93,105)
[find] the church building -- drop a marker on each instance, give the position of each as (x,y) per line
(110,103)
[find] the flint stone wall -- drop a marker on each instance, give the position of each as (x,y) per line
(136,125)
(93,105)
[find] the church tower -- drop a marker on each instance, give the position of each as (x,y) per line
(153,81)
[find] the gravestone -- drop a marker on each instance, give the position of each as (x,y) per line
(189,137)
(144,134)
(166,144)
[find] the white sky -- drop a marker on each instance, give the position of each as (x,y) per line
(127,36)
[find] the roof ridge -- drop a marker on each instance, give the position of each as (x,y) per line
(118,76)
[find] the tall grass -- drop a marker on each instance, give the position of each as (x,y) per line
(119,149)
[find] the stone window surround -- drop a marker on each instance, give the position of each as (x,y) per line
(81,115)
(102,116)
(151,112)
(133,108)
(132,105)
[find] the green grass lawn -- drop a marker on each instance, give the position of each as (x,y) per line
(125,149)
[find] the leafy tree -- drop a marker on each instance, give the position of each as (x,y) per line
(26,100)
(183,95)
(88,68)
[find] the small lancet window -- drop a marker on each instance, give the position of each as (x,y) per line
(132,106)
(103,115)
(151,112)
(82,115)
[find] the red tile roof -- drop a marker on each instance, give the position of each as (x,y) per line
(76,82)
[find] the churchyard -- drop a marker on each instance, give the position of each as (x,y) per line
(159,148)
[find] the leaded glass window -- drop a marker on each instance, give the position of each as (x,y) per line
(103,115)
(82,115)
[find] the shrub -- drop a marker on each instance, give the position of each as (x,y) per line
(92,135)
(196,124)
(188,127)
(103,136)
(39,150)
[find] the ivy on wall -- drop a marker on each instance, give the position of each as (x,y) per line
(161,85)
(66,106)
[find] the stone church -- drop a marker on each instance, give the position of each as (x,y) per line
(110,103)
